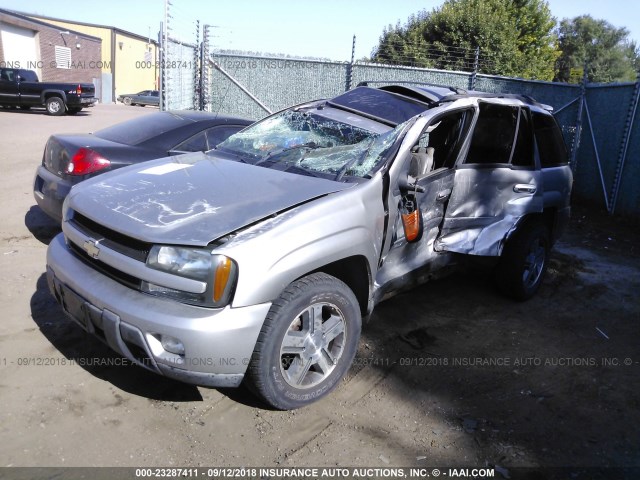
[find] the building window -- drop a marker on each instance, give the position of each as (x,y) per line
(63,57)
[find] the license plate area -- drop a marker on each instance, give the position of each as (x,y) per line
(73,304)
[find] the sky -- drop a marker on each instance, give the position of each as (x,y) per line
(320,28)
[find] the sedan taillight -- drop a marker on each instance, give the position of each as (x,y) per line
(86,161)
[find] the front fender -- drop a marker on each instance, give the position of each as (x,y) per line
(279,250)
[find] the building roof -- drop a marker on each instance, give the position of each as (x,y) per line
(86,24)
(27,18)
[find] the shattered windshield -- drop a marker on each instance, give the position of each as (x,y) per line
(311,144)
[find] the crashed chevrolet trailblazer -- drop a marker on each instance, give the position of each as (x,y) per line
(257,261)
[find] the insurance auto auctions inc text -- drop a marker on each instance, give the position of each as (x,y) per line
(373,472)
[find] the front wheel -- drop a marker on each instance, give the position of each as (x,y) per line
(127,100)
(55,106)
(523,264)
(307,343)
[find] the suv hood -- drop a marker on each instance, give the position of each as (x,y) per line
(191,199)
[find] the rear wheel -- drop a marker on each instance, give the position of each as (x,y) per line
(307,343)
(524,261)
(55,106)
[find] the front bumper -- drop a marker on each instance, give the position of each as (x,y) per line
(218,343)
(50,191)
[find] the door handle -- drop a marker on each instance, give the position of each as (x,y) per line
(524,188)
(443,195)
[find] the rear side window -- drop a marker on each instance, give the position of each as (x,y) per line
(208,139)
(502,135)
(28,76)
(493,135)
(197,143)
(217,135)
(551,147)
(523,151)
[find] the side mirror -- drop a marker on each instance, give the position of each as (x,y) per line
(408,186)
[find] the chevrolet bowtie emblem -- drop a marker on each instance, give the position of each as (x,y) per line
(92,248)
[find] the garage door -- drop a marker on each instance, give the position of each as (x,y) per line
(20,47)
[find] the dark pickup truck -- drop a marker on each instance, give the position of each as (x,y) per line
(21,88)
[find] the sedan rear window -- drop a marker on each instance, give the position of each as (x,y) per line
(139,130)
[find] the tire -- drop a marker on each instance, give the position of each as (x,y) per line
(523,264)
(73,111)
(297,361)
(55,106)
(127,101)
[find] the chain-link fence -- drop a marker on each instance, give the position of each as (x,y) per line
(599,122)
(180,60)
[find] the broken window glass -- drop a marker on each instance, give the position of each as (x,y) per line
(306,142)
(445,137)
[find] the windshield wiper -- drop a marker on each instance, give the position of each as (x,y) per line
(357,159)
(231,153)
(301,171)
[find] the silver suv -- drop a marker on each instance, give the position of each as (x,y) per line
(258,260)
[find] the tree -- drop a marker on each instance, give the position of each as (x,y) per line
(515,38)
(605,49)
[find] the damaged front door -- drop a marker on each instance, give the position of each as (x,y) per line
(496,185)
(424,186)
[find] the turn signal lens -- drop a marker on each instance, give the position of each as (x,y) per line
(411,224)
(221,277)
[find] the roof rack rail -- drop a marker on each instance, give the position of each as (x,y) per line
(458,90)
(461,92)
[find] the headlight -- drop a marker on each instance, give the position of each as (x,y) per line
(218,272)
(67,213)
(192,263)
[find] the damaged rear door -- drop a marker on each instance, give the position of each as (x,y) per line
(496,185)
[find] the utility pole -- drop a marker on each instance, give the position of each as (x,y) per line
(164,100)
(350,66)
(205,79)
(162,79)
(197,70)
